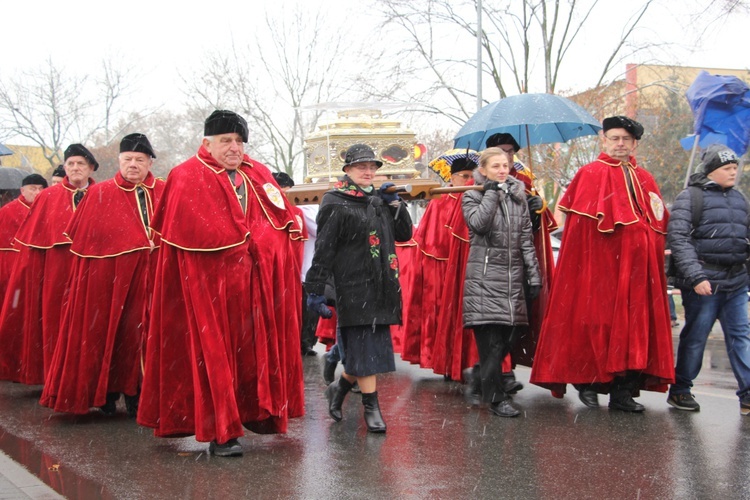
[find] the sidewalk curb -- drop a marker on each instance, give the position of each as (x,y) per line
(17,482)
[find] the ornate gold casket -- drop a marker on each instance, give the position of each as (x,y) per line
(393,144)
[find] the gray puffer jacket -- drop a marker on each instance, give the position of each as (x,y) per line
(501,255)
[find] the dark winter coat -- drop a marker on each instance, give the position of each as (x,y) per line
(717,249)
(356,243)
(501,255)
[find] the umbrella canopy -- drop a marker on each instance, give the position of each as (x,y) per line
(531,119)
(721,106)
(10,178)
(5,151)
(704,140)
(442,164)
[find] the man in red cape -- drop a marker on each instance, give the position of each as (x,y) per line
(425,343)
(98,353)
(30,316)
(11,217)
(453,342)
(212,365)
(607,327)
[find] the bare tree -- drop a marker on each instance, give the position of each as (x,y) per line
(51,107)
(525,44)
(297,60)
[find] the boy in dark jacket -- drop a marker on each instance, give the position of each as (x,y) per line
(711,273)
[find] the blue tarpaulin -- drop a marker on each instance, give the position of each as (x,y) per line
(721,107)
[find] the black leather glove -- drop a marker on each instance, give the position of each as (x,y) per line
(534,291)
(317,304)
(535,203)
(491,186)
(388,198)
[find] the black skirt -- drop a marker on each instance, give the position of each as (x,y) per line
(369,350)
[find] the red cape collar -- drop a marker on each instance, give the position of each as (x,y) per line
(70,187)
(124,184)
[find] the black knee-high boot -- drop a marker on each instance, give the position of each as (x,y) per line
(336,393)
(373,417)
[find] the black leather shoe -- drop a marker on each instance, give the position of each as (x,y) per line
(373,417)
(504,409)
(510,384)
(588,397)
(231,448)
(110,407)
(309,351)
(329,370)
(131,405)
(625,402)
(336,393)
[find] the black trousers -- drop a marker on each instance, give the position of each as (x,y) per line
(493,344)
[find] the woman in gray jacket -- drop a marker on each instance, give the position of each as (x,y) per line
(502,270)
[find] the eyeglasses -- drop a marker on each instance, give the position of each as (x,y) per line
(365,166)
(626,139)
(463,176)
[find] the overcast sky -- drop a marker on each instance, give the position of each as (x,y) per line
(163,37)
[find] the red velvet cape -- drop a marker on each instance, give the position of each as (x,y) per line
(525,348)
(11,217)
(277,236)
(208,370)
(30,317)
(608,310)
(426,291)
(407,253)
(103,322)
(455,348)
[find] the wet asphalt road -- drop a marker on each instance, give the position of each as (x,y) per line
(436,447)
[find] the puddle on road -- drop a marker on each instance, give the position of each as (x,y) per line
(50,471)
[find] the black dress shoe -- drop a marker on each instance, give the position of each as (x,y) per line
(625,403)
(231,448)
(504,409)
(131,405)
(329,370)
(110,407)
(309,351)
(511,385)
(588,397)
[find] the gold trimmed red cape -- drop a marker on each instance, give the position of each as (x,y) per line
(108,220)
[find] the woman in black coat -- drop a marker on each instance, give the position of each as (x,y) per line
(357,230)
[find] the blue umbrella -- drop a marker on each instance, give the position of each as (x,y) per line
(531,119)
(721,108)
(721,105)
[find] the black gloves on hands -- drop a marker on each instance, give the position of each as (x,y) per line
(534,291)
(496,186)
(535,203)
(317,304)
(388,197)
(491,186)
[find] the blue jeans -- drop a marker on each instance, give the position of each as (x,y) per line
(672,310)
(336,353)
(701,312)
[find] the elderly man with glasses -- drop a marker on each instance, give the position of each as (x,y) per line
(607,327)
